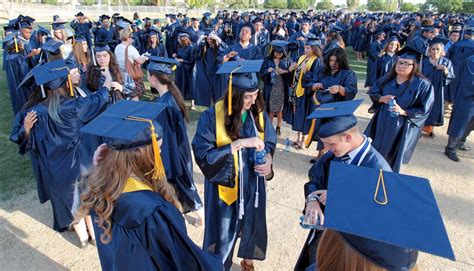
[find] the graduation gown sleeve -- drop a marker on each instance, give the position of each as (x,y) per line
(91,106)
(216,163)
(418,113)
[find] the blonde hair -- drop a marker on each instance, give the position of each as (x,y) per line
(103,186)
(124,34)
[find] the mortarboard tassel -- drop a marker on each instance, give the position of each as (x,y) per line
(43,93)
(229,96)
(73,41)
(69,82)
(381,181)
(158,170)
(16,45)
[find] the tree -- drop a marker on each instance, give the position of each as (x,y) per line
(298,4)
(447,6)
(408,7)
(325,5)
(381,5)
(352,4)
(275,4)
(198,3)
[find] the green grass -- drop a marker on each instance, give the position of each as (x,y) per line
(16,174)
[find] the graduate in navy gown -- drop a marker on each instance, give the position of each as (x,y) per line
(208,86)
(184,73)
(106,33)
(395,130)
(153,45)
(242,50)
(136,210)
(300,92)
(176,151)
(234,135)
(338,129)
(16,69)
(372,56)
(82,26)
(301,37)
(439,71)
(333,82)
(388,57)
(461,122)
(171,34)
(360,41)
(49,131)
(421,42)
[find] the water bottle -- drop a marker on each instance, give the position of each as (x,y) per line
(260,157)
(391,104)
(287,144)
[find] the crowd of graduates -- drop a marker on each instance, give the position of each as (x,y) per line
(119,169)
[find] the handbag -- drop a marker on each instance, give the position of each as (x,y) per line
(134,70)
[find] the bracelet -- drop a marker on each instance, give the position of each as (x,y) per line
(312,198)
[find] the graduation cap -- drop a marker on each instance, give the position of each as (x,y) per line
(53,75)
(43,31)
(306,20)
(122,24)
(146,19)
(171,16)
(162,65)
(130,124)
(101,47)
(249,25)
(393,36)
(25,21)
(427,28)
(337,29)
(409,52)
(115,15)
(387,217)
(52,46)
(152,32)
(242,76)
(79,14)
(279,45)
(183,32)
(104,17)
(207,14)
(313,42)
(437,40)
(9,28)
(11,40)
(336,117)
(77,38)
(58,25)
(155,21)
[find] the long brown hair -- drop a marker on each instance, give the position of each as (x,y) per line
(114,69)
(104,184)
(335,254)
(393,74)
(173,89)
(81,56)
(385,48)
(233,123)
(184,42)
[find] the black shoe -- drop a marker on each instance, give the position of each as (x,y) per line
(92,242)
(463,147)
(314,160)
(432,135)
(451,154)
(278,131)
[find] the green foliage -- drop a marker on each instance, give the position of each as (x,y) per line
(298,4)
(88,2)
(381,5)
(49,2)
(325,5)
(447,5)
(199,3)
(408,7)
(275,4)
(468,7)
(240,4)
(352,4)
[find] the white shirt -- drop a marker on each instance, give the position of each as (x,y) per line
(352,154)
(120,54)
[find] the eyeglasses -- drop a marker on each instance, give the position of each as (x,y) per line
(404,64)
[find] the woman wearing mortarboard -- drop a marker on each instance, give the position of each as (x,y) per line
(136,211)
(403,100)
(234,147)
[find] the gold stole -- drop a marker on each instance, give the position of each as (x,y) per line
(299,88)
(229,194)
(133,185)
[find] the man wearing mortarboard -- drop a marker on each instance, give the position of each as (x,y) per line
(171,33)
(301,37)
(82,25)
(106,32)
(420,43)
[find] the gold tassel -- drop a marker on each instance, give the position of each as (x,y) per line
(16,45)
(381,181)
(229,96)
(158,170)
(73,41)
(69,82)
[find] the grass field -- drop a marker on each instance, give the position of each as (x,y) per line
(16,175)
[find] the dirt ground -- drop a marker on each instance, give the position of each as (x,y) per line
(27,241)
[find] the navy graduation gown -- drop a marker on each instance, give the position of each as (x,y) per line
(16,68)
(420,44)
(385,64)
(463,109)
(82,29)
(458,53)
(360,39)
(149,233)
(439,82)
(299,44)
(184,72)
(176,154)
(251,52)
(396,137)
(217,164)
(58,151)
(373,55)
(267,79)
(318,180)
(208,86)
(304,103)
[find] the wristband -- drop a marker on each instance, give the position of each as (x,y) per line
(312,198)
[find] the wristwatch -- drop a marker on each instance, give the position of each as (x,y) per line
(312,198)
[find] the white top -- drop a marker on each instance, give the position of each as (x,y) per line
(120,55)
(352,154)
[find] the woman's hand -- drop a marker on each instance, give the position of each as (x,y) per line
(265,169)
(317,86)
(270,69)
(253,142)
(292,66)
(442,68)
(334,89)
(100,154)
(397,108)
(116,86)
(174,55)
(385,99)
(322,194)
(313,212)
(29,122)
